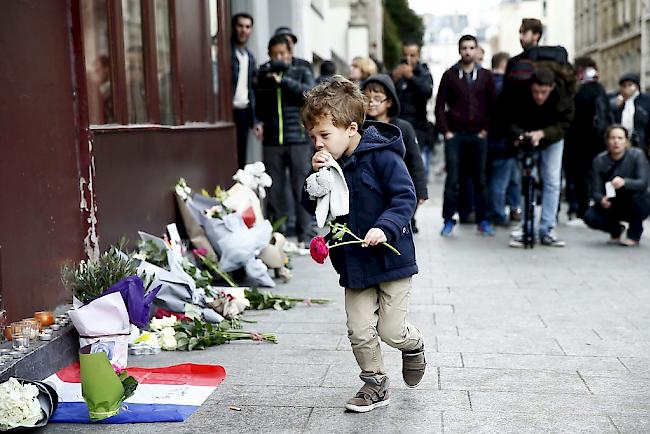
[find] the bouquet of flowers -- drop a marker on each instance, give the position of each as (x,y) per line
(109,296)
(198,335)
(25,404)
(104,386)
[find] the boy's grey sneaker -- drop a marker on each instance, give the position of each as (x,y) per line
(369,397)
(413,366)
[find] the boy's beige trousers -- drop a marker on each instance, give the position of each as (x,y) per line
(379,312)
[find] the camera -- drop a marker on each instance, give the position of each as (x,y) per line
(278,66)
(527,154)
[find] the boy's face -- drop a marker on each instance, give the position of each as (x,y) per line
(378,103)
(333,139)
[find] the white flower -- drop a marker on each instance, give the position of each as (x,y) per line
(158,324)
(167,343)
(19,405)
(239,296)
(167,331)
(140,256)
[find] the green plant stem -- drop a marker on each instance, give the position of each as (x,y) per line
(225,276)
(361,241)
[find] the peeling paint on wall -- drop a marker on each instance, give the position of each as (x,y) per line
(86,188)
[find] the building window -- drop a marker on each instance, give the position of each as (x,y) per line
(164,69)
(136,96)
(97,62)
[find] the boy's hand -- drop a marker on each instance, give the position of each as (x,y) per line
(320,159)
(618,182)
(373,237)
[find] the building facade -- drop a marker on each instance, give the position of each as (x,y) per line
(107,103)
(615,34)
(556,16)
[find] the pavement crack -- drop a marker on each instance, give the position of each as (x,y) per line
(471,408)
(439,382)
(613,424)
(435,340)
(624,365)
(462,361)
(442,421)
(542,320)
(596,333)
(327,371)
(558,344)
(457,331)
(311,410)
(584,382)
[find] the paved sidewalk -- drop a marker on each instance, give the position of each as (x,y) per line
(549,340)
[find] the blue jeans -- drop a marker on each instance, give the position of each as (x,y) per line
(504,188)
(550,174)
(473,151)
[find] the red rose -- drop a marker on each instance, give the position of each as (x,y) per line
(318,249)
(200,252)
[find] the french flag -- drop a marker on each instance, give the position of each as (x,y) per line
(168,394)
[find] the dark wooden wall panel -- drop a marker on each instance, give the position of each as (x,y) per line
(192,43)
(137,170)
(40,221)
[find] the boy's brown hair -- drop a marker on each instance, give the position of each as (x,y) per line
(532,24)
(338,98)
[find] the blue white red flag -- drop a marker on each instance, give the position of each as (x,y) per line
(167,394)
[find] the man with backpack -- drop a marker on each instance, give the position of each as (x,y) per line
(538,107)
(585,138)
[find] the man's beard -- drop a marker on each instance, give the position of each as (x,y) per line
(466,60)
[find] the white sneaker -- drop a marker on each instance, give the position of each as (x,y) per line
(517,232)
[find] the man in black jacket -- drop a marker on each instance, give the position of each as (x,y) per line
(279,96)
(633,112)
(243,69)
(414,86)
(539,117)
(585,139)
(464,104)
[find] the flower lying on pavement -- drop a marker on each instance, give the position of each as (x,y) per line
(19,405)
(267,300)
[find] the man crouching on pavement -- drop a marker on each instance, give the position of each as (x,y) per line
(382,201)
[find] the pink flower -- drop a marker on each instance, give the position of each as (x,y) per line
(117,369)
(319,249)
(200,252)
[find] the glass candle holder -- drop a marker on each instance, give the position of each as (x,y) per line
(20,336)
(33,327)
(45,317)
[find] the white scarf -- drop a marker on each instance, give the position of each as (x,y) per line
(627,118)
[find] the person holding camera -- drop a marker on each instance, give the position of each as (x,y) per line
(538,119)
(280,91)
(414,86)
(619,189)
(465,101)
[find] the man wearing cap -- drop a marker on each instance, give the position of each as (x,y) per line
(633,111)
(243,68)
(292,40)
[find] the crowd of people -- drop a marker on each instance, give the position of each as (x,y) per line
(536,103)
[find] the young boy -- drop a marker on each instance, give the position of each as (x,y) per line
(383,106)
(377,281)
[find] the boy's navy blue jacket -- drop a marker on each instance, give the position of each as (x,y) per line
(382,195)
